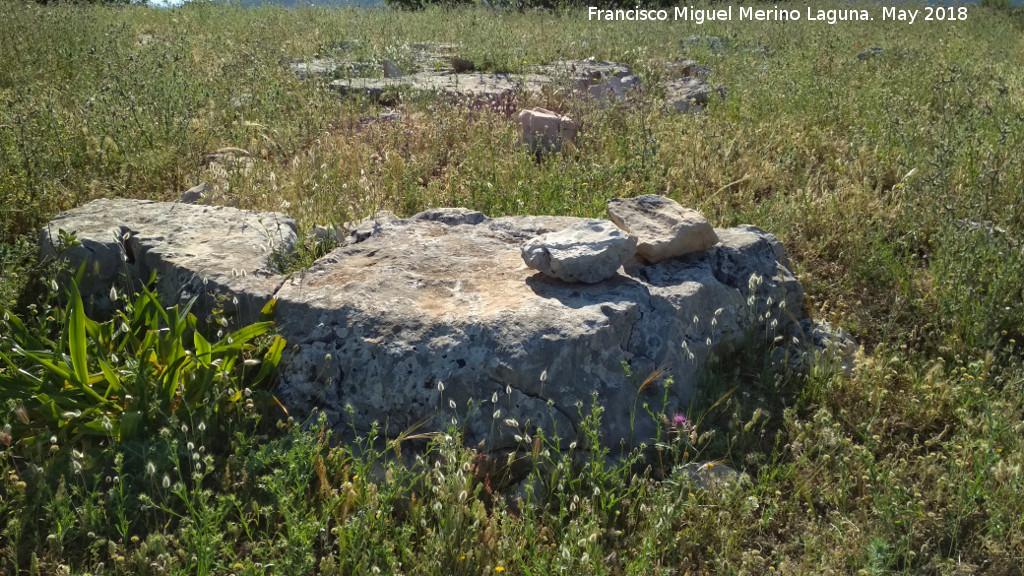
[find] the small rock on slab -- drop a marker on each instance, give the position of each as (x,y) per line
(663,228)
(588,252)
(195,194)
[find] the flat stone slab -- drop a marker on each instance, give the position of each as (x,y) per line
(194,250)
(420,316)
(437,316)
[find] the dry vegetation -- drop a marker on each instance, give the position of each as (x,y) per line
(896,183)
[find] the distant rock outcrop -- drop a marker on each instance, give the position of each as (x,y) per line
(604,81)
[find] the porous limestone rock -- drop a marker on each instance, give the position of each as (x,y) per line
(433,318)
(437,317)
(546,131)
(663,228)
(589,252)
(194,250)
(690,94)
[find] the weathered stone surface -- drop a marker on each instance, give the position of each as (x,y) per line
(590,252)
(195,194)
(545,131)
(608,81)
(690,93)
(391,70)
(381,323)
(602,80)
(437,316)
(194,250)
(663,228)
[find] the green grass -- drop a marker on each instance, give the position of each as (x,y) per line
(867,170)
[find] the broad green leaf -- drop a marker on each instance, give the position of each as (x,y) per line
(235,340)
(267,313)
(270,360)
(113,382)
(77,343)
(203,349)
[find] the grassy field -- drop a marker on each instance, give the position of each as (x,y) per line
(895,182)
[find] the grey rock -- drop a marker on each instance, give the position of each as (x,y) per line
(419,314)
(606,81)
(363,229)
(410,317)
(195,194)
(691,93)
(589,252)
(391,70)
(451,216)
(194,250)
(872,52)
(663,228)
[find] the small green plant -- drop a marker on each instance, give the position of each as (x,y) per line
(127,374)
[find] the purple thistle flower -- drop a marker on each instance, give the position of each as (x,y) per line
(680,421)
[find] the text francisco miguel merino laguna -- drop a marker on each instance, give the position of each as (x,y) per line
(700,15)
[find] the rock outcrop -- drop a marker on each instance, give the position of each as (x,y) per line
(604,81)
(193,250)
(427,319)
(438,317)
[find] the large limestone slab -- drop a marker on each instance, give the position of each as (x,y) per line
(194,250)
(437,316)
(434,318)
